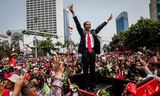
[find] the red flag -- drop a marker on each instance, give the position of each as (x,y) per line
(128,51)
(77,56)
(69,55)
(119,76)
(121,57)
(12,61)
(70,28)
(131,87)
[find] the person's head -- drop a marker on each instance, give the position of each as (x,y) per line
(138,65)
(30,89)
(9,85)
(39,81)
(10,82)
(14,55)
(87,25)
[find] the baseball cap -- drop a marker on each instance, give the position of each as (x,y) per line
(13,78)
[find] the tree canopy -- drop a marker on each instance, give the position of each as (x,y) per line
(145,33)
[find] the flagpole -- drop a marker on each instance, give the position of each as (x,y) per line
(70,39)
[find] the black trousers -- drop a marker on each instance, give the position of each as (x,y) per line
(88,60)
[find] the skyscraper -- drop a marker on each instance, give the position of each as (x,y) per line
(154,9)
(45,16)
(66,25)
(122,21)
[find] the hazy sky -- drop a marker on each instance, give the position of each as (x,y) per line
(97,11)
(13,14)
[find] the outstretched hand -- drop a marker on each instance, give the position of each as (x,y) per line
(71,8)
(110,18)
(144,63)
(18,86)
(58,64)
(20,82)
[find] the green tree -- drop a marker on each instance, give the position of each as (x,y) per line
(104,47)
(66,43)
(145,33)
(5,49)
(45,46)
(58,43)
(117,38)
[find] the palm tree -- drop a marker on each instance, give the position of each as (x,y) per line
(58,44)
(66,43)
(45,46)
(104,47)
(5,49)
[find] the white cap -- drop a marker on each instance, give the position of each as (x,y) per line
(13,78)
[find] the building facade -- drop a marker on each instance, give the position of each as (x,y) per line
(45,16)
(3,38)
(66,25)
(154,9)
(122,21)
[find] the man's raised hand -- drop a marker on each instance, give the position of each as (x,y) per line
(71,8)
(110,18)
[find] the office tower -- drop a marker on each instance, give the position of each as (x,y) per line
(154,9)
(66,25)
(122,21)
(45,16)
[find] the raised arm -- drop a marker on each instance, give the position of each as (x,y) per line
(78,25)
(145,65)
(71,9)
(18,86)
(103,24)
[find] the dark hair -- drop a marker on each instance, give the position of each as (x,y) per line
(27,87)
(11,69)
(85,23)
(41,81)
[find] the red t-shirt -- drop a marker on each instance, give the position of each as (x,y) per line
(6,92)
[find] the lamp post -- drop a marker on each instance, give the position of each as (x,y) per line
(70,39)
(9,33)
(35,27)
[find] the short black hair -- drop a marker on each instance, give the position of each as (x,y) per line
(27,87)
(85,23)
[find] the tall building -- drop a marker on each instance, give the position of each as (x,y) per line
(46,16)
(66,25)
(154,9)
(122,21)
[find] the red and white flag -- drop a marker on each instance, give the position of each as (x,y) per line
(12,61)
(70,28)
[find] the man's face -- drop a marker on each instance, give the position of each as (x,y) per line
(33,92)
(87,26)
(9,85)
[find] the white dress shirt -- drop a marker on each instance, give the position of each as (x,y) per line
(92,40)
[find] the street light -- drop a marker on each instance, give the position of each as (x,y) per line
(35,27)
(9,33)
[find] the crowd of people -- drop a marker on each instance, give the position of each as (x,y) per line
(128,65)
(49,76)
